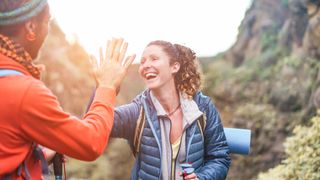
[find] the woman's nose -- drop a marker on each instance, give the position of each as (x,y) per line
(146,64)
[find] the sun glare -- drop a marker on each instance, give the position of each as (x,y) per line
(206,26)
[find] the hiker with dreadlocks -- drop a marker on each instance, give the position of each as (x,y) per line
(30,114)
(174,130)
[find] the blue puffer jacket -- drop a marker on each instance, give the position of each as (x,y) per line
(209,156)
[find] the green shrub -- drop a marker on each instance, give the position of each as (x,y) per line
(303,155)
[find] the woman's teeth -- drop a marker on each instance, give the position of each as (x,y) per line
(150,75)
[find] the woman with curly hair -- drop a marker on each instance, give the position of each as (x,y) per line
(162,124)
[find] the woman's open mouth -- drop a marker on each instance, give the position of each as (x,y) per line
(150,76)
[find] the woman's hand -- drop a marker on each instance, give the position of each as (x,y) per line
(112,69)
(192,176)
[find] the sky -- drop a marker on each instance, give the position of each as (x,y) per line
(206,26)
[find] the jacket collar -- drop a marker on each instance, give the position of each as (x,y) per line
(189,108)
(7,63)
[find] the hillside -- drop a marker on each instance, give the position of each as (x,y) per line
(268,81)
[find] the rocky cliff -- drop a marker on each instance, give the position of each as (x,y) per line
(269,79)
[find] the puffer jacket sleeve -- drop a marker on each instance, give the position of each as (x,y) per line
(217,158)
(125,120)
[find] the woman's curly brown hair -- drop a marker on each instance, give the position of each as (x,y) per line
(188,78)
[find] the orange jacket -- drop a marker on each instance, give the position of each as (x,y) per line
(29,112)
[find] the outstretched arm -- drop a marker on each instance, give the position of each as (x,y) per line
(43,120)
(125,120)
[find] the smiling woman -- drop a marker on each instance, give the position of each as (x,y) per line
(187,75)
(162,124)
(206,26)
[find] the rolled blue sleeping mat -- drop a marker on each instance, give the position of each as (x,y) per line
(238,140)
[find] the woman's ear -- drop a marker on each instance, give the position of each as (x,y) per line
(30,28)
(175,67)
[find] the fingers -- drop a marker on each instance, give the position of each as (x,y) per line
(129,61)
(123,52)
(116,53)
(192,176)
(101,57)
(94,63)
(110,48)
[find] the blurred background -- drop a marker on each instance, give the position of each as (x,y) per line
(265,77)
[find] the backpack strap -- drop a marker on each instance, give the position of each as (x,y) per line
(19,169)
(138,132)
(22,166)
(39,155)
(9,72)
(202,122)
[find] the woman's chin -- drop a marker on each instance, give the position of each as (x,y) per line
(151,84)
(152,87)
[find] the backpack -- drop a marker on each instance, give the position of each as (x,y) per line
(36,151)
(141,123)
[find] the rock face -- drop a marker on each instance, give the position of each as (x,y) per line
(268,80)
(288,24)
(273,29)
(258,30)
(311,41)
